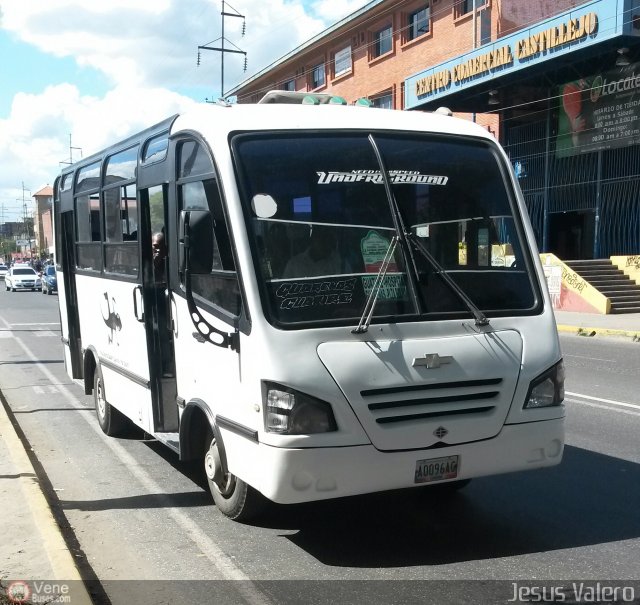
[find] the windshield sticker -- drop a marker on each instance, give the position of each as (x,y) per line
(296,295)
(393,287)
(374,248)
(397,177)
(264,206)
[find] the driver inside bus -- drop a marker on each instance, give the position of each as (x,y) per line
(320,258)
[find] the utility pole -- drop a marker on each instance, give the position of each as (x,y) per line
(26,224)
(71,148)
(221,49)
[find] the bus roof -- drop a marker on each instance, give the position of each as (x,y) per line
(216,121)
(276,116)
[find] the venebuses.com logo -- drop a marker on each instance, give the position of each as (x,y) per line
(22,592)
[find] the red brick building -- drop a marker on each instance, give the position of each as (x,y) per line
(42,224)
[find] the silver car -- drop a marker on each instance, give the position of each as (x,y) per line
(22,278)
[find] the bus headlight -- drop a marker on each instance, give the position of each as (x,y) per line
(547,389)
(290,412)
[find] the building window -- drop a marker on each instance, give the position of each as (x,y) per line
(463,7)
(383,101)
(342,61)
(318,76)
(418,23)
(289,85)
(382,41)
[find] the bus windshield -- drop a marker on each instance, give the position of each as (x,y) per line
(320,224)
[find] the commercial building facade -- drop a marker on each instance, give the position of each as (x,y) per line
(555,81)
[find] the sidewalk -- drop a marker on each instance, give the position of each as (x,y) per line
(34,557)
(593,324)
(31,545)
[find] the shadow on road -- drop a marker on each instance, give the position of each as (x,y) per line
(589,499)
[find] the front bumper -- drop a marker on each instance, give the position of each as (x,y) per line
(290,476)
(26,286)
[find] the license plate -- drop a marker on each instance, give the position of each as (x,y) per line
(436,469)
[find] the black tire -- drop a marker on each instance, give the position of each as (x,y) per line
(233,497)
(49,291)
(111,421)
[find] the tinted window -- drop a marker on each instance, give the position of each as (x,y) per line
(194,160)
(121,166)
(155,149)
(88,177)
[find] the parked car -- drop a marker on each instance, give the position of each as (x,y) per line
(3,271)
(22,278)
(49,281)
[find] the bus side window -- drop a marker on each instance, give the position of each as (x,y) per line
(221,286)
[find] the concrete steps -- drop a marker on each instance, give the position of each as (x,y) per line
(612,282)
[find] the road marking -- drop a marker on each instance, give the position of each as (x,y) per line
(219,559)
(601,400)
(40,323)
(45,333)
(589,358)
(604,407)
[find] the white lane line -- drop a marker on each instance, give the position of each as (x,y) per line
(39,323)
(608,408)
(601,400)
(219,559)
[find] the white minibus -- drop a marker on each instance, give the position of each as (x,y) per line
(315,300)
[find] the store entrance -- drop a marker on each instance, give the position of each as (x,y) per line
(572,234)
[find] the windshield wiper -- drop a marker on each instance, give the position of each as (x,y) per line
(479,316)
(367,313)
(409,238)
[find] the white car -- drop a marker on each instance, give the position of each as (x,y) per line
(3,271)
(22,278)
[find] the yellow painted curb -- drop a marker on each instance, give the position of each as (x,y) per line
(587,331)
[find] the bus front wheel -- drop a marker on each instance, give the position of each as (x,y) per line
(111,421)
(233,497)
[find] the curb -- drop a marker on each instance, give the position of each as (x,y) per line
(589,331)
(53,543)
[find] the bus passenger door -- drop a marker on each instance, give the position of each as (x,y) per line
(156,303)
(67,294)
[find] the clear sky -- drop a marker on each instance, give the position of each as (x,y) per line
(99,70)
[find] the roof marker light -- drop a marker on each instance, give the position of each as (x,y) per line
(337,101)
(363,102)
(310,100)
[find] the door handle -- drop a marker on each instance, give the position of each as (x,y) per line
(137,293)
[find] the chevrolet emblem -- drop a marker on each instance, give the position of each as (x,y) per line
(431,361)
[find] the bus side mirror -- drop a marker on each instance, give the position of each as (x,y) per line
(196,239)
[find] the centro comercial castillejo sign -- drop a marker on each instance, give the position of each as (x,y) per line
(547,39)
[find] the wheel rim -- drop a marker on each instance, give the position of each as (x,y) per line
(101,404)
(228,483)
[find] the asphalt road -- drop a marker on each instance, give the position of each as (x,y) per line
(143,525)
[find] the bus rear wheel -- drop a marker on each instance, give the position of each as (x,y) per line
(111,421)
(233,497)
